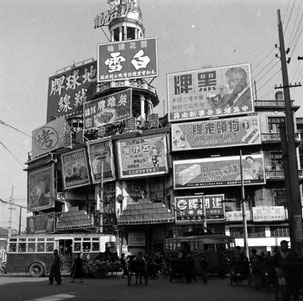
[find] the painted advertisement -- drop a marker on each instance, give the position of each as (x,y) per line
(190,208)
(213,92)
(42,223)
(225,132)
(100,154)
(127,59)
(49,137)
(219,171)
(109,109)
(68,90)
(41,188)
(142,156)
(75,171)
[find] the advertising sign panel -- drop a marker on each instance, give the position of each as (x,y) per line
(49,137)
(41,188)
(42,223)
(109,109)
(136,239)
(75,169)
(264,214)
(216,133)
(219,171)
(189,208)
(127,59)
(68,90)
(142,156)
(213,92)
(100,154)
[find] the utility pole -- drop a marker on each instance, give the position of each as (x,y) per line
(290,156)
(11,201)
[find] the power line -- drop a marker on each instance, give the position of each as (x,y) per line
(10,126)
(23,166)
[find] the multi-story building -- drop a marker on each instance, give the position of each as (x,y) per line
(105,162)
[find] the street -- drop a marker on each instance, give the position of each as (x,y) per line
(24,288)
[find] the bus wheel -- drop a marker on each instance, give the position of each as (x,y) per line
(36,269)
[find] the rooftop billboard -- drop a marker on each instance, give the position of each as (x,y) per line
(213,92)
(219,171)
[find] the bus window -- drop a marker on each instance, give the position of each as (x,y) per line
(86,246)
(31,247)
(12,247)
(77,246)
(22,245)
(40,247)
(49,246)
(96,246)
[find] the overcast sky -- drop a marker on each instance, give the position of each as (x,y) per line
(39,37)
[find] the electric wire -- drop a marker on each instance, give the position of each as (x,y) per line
(23,166)
(10,126)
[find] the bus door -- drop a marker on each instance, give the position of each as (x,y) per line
(65,251)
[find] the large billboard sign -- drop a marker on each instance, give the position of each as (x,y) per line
(142,156)
(127,59)
(219,171)
(42,223)
(100,154)
(41,188)
(216,133)
(109,109)
(213,92)
(190,208)
(49,137)
(75,169)
(68,90)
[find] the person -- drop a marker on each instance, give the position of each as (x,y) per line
(189,268)
(123,265)
(55,269)
(284,254)
(204,267)
(255,169)
(77,269)
(3,258)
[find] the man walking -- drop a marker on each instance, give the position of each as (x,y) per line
(55,269)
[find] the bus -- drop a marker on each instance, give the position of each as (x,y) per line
(217,248)
(33,254)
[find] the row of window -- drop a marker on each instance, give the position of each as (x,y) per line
(255,232)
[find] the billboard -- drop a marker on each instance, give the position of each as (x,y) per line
(216,133)
(101,152)
(219,171)
(42,223)
(41,188)
(49,137)
(113,108)
(68,90)
(190,208)
(142,156)
(75,169)
(127,59)
(213,92)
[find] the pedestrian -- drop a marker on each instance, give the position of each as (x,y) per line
(284,254)
(123,265)
(189,268)
(77,269)
(55,269)
(204,267)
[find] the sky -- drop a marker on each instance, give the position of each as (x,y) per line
(40,37)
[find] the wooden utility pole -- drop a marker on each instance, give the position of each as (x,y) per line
(290,157)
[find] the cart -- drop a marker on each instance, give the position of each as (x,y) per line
(289,284)
(240,271)
(138,269)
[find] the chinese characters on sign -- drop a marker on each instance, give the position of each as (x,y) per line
(190,208)
(109,109)
(216,133)
(40,189)
(264,214)
(127,59)
(75,169)
(223,91)
(69,90)
(142,157)
(100,151)
(219,171)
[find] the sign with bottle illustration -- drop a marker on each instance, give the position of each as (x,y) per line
(219,171)
(142,156)
(225,132)
(212,92)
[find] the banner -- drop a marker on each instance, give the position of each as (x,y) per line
(75,169)
(68,90)
(218,171)
(101,151)
(225,132)
(41,189)
(213,92)
(127,59)
(142,156)
(109,109)
(190,208)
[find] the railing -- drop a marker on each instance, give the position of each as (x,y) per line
(271,103)
(275,137)
(272,174)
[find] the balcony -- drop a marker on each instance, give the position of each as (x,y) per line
(275,137)
(272,174)
(273,104)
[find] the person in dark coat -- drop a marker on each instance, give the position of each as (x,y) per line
(55,269)
(189,268)
(77,270)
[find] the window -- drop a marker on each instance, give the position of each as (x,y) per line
(236,232)
(278,231)
(279,196)
(256,232)
(276,160)
(274,124)
(131,33)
